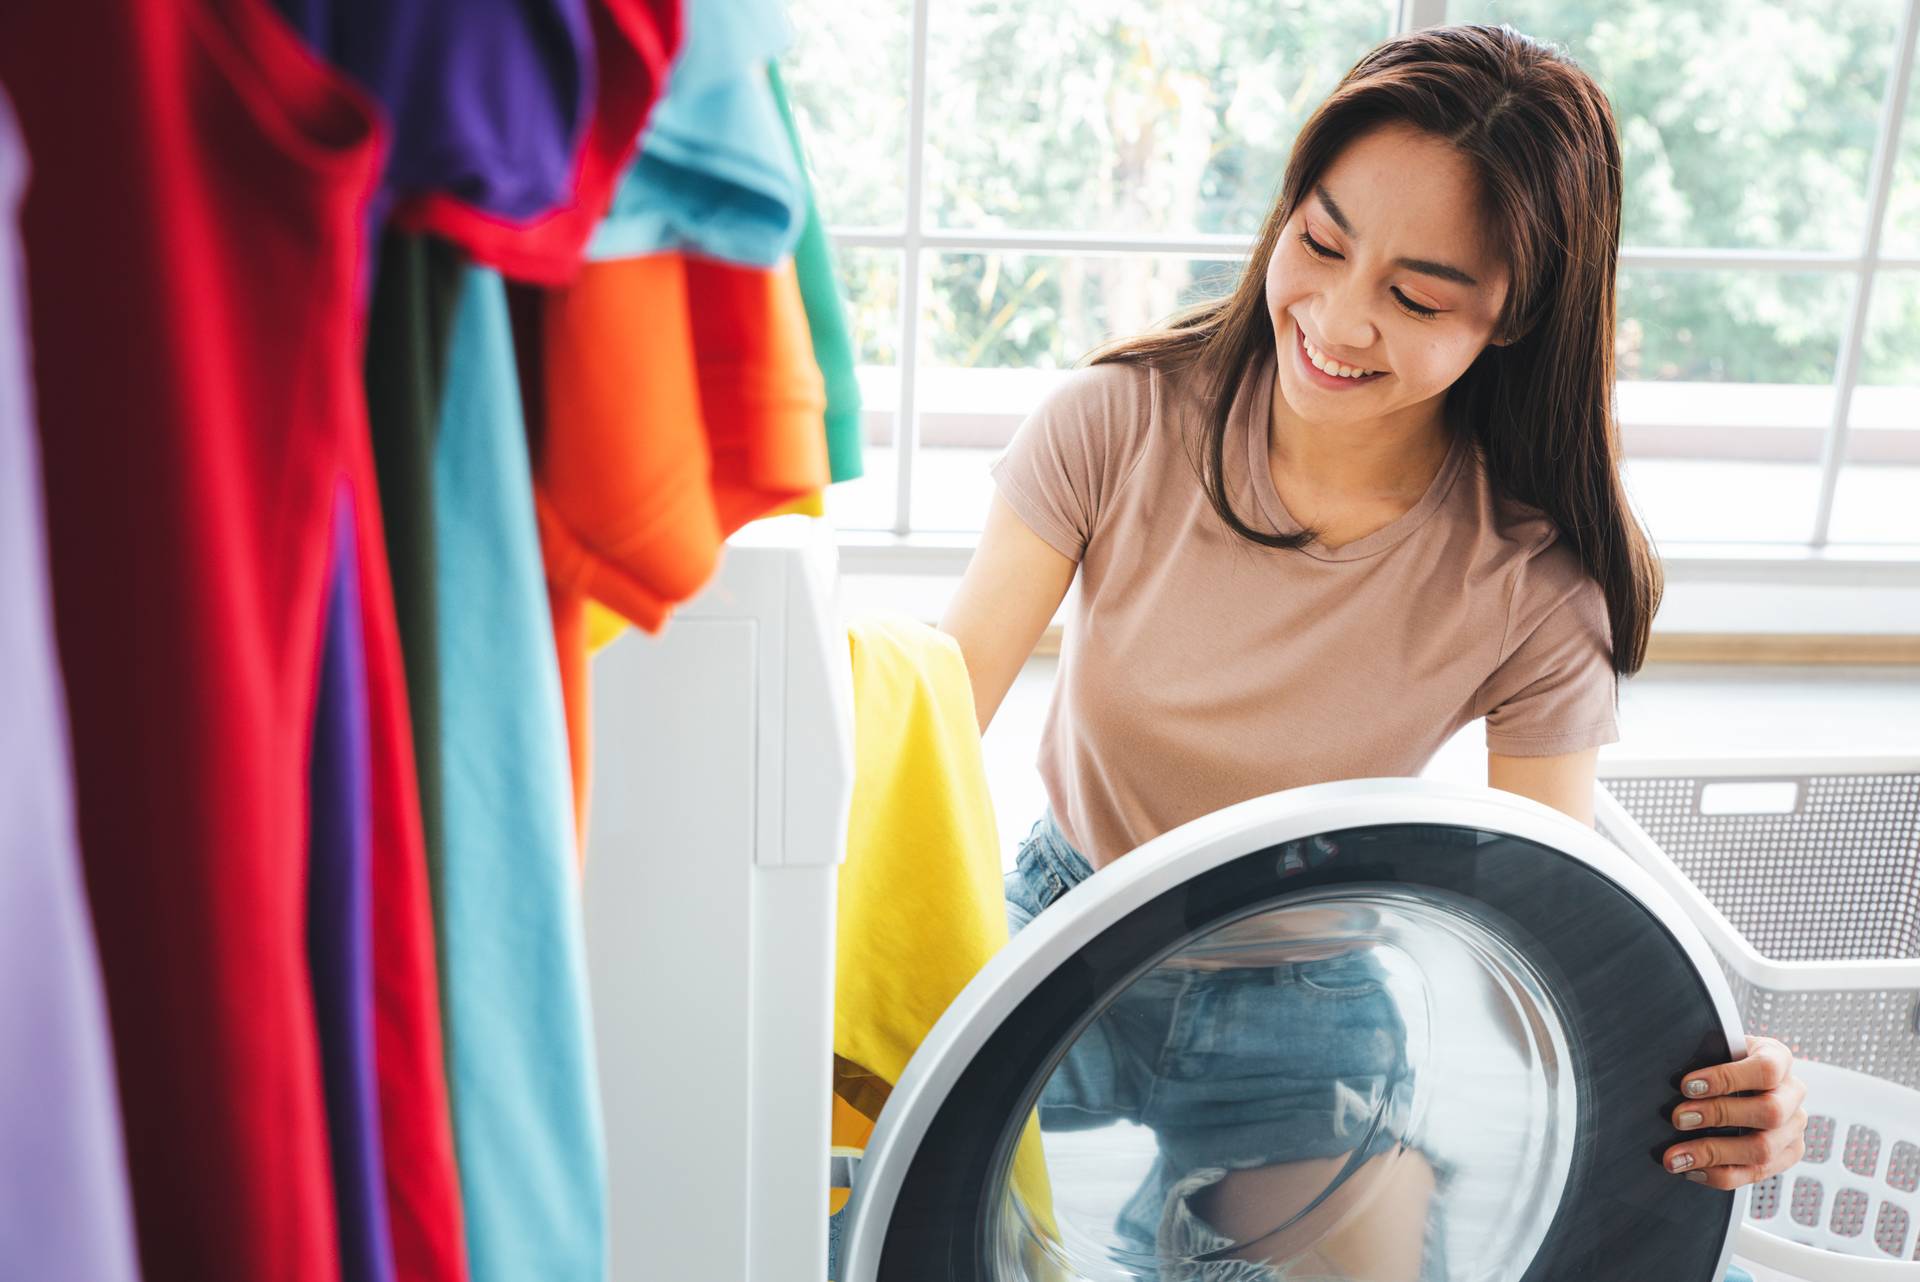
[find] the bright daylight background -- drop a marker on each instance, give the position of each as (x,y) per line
(1009,182)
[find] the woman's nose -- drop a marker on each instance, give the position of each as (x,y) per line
(1345,319)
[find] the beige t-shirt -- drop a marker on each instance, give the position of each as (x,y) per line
(1199,669)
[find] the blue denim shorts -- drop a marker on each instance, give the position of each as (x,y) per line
(1230,1068)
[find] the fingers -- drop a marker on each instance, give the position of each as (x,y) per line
(1728,1161)
(1728,1177)
(1767,1065)
(1767,1111)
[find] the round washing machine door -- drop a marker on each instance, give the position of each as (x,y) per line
(1376,1029)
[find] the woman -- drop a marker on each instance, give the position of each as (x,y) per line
(1368,497)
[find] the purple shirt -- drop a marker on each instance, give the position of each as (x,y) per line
(64,1212)
(340,916)
(485,100)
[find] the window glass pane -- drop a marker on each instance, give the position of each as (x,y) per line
(1726,391)
(870,284)
(1730,326)
(854,127)
(1878,496)
(1902,232)
(999,328)
(1744,123)
(1126,116)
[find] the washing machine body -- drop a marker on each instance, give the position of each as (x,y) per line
(1364,1030)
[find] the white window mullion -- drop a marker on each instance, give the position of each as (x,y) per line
(1239,246)
(1853,339)
(906,421)
(1416,14)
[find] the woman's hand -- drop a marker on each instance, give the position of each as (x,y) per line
(1773,1110)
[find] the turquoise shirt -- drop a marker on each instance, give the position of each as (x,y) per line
(715,173)
(526,1104)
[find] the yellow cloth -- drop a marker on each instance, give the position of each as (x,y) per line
(814,504)
(922,904)
(603,626)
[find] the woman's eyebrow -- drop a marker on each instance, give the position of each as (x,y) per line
(1424,266)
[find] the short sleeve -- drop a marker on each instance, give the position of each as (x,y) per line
(1070,455)
(1555,690)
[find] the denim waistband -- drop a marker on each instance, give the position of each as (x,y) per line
(1048,846)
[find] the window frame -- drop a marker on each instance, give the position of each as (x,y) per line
(904,549)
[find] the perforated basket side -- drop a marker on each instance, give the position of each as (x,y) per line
(1836,877)
(1868,1030)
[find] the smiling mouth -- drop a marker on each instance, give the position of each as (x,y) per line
(1334,373)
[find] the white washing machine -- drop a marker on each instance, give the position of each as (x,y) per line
(1538,993)
(1502,1004)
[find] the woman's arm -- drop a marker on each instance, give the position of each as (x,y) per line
(1759,1091)
(1012,586)
(1564,782)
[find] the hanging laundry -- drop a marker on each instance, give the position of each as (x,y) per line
(510,119)
(714,173)
(485,101)
(826,314)
(340,916)
(408,330)
(519,1049)
(680,402)
(634,43)
(198,233)
(922,904)
(63,1186)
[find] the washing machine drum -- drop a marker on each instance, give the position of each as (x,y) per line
(1379,1029)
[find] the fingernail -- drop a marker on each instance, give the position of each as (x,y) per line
(1689,1120)
(1680,1162)
(1697,1087)
(1698,1177)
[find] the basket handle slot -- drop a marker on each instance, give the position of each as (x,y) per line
(1749,797)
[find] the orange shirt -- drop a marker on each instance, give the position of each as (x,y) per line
(681,400)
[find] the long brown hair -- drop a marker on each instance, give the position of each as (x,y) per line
(1542,137)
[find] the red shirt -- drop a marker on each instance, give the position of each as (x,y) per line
(193,249)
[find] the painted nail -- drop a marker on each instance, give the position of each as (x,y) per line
(1680,1162)
(1698,1177)
(1689,1120)
(1698,1087)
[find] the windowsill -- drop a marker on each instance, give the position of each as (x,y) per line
(1728,464)
(1751,603)
(1862,565)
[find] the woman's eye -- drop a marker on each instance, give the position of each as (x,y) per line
(1315,248)
(1412,308)
(1422,312)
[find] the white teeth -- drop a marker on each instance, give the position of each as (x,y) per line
(1327,365)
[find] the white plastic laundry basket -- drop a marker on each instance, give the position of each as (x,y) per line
(1804,874)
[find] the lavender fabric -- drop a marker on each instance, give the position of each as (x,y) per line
(485,99)
(64,1210)
(340,917)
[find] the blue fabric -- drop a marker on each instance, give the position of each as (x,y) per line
(1232,1068)
(526,1110)
(715,173)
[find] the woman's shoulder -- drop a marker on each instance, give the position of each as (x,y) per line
(1540,561)
(1113,390)
(1514,528)
(1104,411)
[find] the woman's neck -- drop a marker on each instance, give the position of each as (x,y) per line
(1384,461)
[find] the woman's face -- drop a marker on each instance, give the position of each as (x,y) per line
(1396,219)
